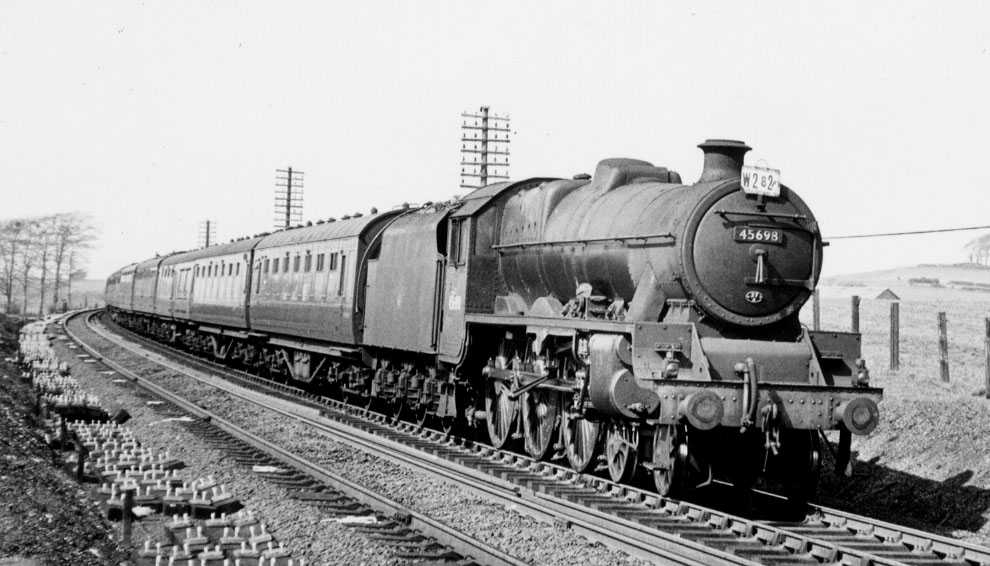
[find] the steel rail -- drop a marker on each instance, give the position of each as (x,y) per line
(832,536)
(455,539)
(629,536)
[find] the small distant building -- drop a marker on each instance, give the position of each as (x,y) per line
(888,295)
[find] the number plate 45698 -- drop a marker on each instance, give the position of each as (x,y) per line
(762,235)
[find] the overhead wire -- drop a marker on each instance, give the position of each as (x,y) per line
(908,233)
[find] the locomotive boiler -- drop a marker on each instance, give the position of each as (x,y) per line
(622,320)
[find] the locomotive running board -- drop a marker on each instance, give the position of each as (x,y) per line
(546,321)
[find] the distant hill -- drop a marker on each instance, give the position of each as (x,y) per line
(919,282)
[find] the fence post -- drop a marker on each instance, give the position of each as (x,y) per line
(816,309)
(986,353)
(855,313)
(943,348)
(895,336)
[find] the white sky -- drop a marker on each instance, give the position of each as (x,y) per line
(155,116)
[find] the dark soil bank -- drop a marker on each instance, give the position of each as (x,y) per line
(44,514)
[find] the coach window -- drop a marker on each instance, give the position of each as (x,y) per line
(343,274)
(285,264)
(319,261)
(267,265)
(275,266)
(333,261)
(295,264)
(309,261)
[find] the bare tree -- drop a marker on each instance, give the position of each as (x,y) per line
(46,228)
(33,256)
(6,266)
(979,249)
(74,233)
(12,232)
(30,253)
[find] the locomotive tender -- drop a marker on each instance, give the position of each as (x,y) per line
(624,315)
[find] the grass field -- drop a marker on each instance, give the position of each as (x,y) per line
(928,463)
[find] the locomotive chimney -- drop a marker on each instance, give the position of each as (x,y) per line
(723,159)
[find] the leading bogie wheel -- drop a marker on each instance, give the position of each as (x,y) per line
(501,413)
(580,437)
(622,451)
(540,416)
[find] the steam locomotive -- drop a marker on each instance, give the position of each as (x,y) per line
(623,320)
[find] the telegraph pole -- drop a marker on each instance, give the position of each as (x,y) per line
(288,197)
(484,148)
(207,233)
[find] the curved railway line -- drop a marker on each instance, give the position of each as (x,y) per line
(636,521)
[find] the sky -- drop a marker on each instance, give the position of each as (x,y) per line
(155,116)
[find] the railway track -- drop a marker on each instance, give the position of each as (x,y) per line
(418,538)
(636,521)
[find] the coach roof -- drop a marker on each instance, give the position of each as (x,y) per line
(212,251)
(350,228)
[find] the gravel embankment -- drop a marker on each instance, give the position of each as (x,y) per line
(476,515)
